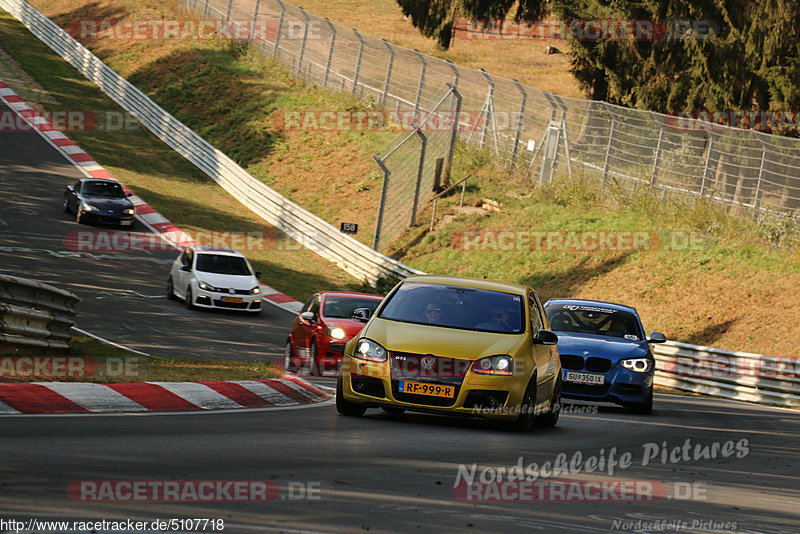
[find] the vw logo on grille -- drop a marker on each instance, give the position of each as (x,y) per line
(428,362)
(586,353)
(232,291)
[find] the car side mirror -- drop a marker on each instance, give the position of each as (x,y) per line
(308,316)
(185,268)
(258,274)
(657,337)
(361,315)
(128,194)
(545,337)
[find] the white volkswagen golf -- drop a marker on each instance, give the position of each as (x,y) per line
(214,277)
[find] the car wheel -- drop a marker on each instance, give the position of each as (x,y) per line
(525,419)
(170,289)
(551,417)
(644,408)
(78,215)
(66,205)
(313,365)
(346,407)
(189,301)
(393,410)
(289,362)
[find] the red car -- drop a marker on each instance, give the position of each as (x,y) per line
(321,330)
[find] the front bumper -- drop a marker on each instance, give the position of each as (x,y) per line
(106,218)
(225,301)
(620,386)
(487,397)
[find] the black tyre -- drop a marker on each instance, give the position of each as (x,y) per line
(189,300)
(66,205)
(313,364)
(525,419)
(78,215)
(551,417)
(393,410)
(345,407)
(170,289)
(289,362)
(644,408)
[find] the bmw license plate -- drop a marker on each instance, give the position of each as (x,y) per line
(235,300)
(433,390)
(584,378)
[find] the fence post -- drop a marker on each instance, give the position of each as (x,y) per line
(456,73)
(566,141)
(657,159)
(276,52)
(705,165)
(303,44)
(388,72)
(519,121)
(421,79)
(255,21)
(330,52)
(454,135)
(205,10)
(489,107)
(379,221)
(358,59)
(607,158)
(419,175)
(228,12)
(757,200)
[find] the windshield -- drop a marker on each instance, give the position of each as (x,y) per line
(221,264)
(597,320)
(342,307)
(103,189)
(456,307)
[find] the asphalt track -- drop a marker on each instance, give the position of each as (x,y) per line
(123,293)
(380,473)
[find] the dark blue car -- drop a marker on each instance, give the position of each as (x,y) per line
(605,356)
(100,201)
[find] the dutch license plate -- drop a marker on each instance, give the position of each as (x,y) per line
(584,378)
(433,390)
(236,300)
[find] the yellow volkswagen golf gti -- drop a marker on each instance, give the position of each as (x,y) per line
(453,345)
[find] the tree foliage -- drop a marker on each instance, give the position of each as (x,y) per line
(714,54)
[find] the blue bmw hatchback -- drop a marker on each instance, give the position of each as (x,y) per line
(605,356)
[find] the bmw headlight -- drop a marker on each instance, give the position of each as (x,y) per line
(336,333)
(128,211)
(494,365)
(88,207)
(366,349)
(637,365)
(255,291)
(206,287)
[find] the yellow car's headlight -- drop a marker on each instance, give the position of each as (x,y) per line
(494,365)
(366,349)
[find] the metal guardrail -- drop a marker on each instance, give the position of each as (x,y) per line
(34,314)
(309,230)
(729,374)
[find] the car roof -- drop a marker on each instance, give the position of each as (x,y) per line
(586,302)
(348,294)
(201,249)
(474,283)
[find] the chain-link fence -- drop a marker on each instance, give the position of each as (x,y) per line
(415,167)
(527,127)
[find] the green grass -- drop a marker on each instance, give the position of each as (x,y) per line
(118,365)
